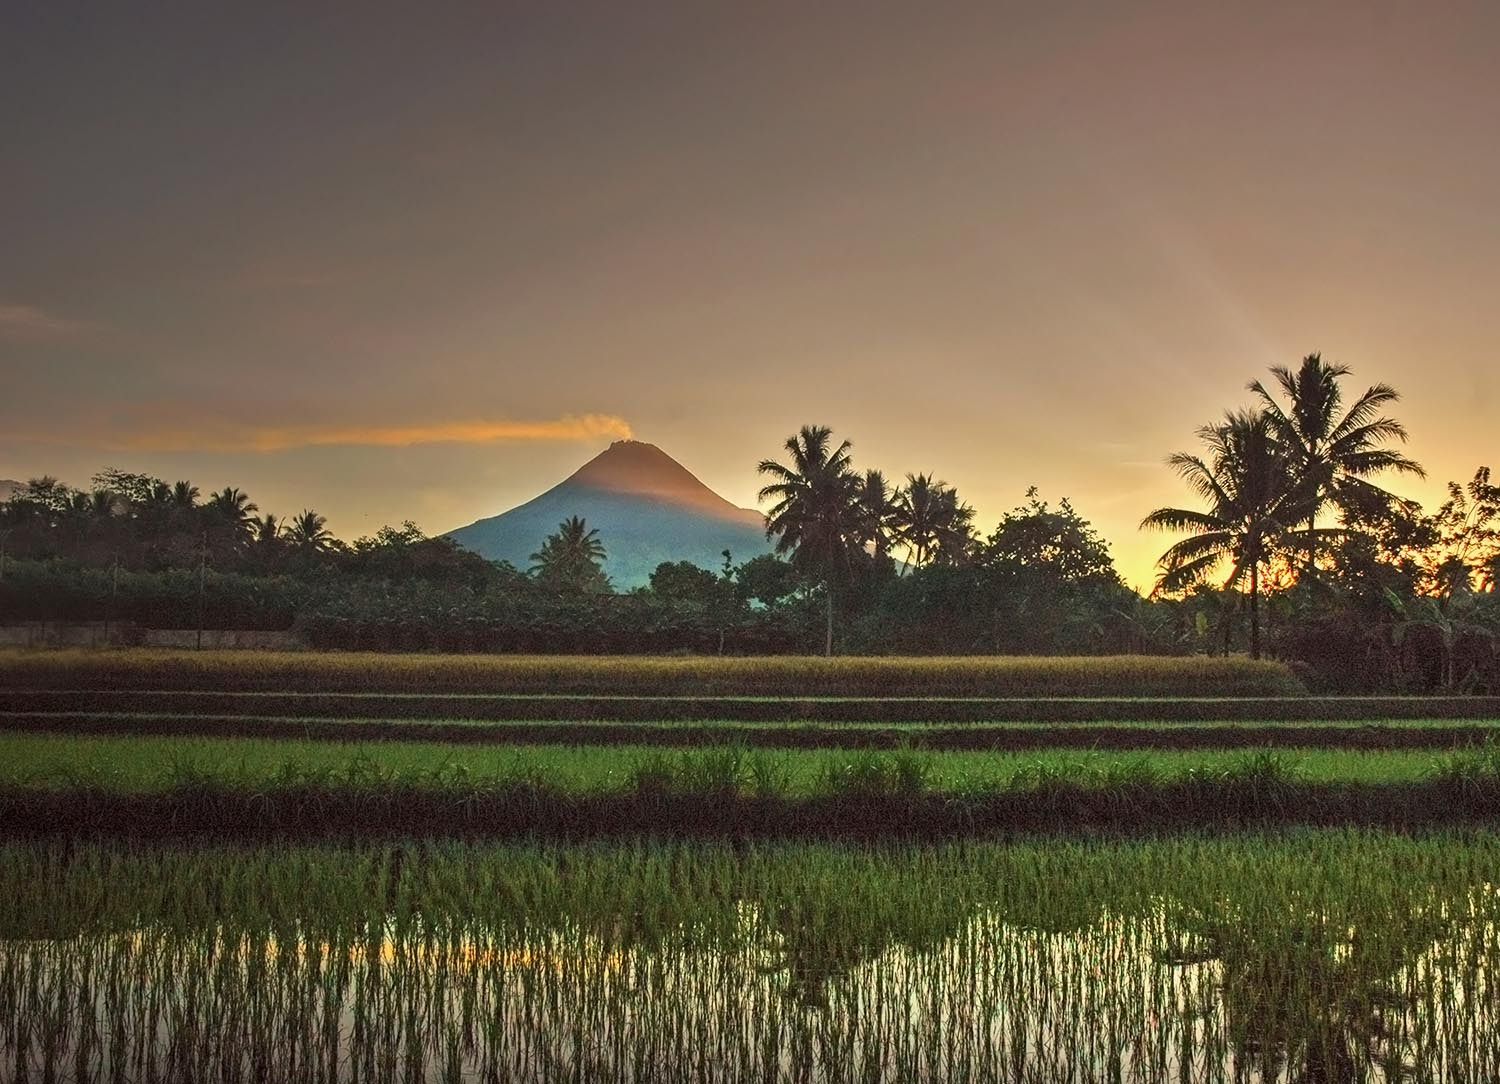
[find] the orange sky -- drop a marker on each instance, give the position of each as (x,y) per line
(1006,245)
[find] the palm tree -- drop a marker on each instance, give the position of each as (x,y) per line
(309,533)
(1253,500)
(815,516)
(932,523)
(185,495)
(955,530)
(1334,456)
(572,558)
(876,506)
(269,540)
(231,515)
(92,520)
(158,498)
(917,513)
(102,505)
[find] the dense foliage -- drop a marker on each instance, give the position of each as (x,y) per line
(1291,549)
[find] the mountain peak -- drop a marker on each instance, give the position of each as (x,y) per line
(647,507)
(640,469)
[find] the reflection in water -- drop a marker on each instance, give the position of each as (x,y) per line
(1172,993)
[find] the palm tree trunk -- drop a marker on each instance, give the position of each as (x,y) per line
(1312,546)
(1255,609)
(828,633)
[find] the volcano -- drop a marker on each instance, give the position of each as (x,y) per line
(647,507)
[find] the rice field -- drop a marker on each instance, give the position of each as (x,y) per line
(301,867)
(1309,956)
(140,788)
(794,676)
(135,764)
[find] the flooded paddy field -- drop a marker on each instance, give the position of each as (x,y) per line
(1302,956)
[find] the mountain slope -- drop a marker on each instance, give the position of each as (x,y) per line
(647,507)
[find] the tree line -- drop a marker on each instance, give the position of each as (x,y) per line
(1290,526)
(135,549)
(1291,546)
(1364,580)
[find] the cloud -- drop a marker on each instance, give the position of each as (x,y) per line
(29,320)
(215,435)
(566,428)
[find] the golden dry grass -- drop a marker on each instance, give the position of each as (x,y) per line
(781,676)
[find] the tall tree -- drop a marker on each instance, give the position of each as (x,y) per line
(134,488)
(185,495)
(309,533)
(1464,555)
(229,519)
(159,499)
(1058,543)
(877,511)
(1254,504)
(93,520)
(815,515)
(956,536)
(931,522)
(269,543)
(1332,455)
(571,558)
(46,494)
(917,513)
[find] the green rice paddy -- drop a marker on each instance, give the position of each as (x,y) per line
(219,867)
(134,764)
(1309,956)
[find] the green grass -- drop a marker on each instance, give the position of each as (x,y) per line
(989,676)
(140,764)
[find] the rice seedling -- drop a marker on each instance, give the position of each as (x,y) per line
(149,763)
(1311,956)
(159,788)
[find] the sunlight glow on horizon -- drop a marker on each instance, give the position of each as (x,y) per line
(230,437)
(389,276)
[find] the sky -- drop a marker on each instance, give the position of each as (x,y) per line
(421,261)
